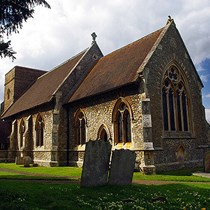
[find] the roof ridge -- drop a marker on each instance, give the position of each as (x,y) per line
(61,64)
(134,42)
(38,80)
(127,59)
(84,53)
(153,48)
(30,68)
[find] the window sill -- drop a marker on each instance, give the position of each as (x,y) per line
(80,147)
(39,147)
(123,145)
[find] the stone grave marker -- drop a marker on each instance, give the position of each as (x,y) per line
(207,162)
(27,161)
(96,163)
(19,160)
(122,167)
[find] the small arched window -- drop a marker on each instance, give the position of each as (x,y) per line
(175,101)
(103,133)
(8,94)
(21,131)
(80,128)
(122,123)
(39,131)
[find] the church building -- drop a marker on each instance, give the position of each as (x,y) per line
(144,97)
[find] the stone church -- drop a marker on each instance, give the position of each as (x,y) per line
(144,97)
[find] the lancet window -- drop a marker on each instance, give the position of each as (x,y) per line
(80,128)
(122,123)
(39,131)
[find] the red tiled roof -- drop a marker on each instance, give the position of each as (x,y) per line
(116,69)
(43,89)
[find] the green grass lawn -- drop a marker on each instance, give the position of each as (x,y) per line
(33,195)
(37,196)
(75,173)
(41,172)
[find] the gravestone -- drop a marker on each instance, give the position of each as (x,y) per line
(19,160)
(207,162)
(96,163)
(27,161)
(122,167)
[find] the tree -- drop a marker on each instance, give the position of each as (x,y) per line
(12,15)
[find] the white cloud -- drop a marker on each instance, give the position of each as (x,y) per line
(207,96)
(204,78)
(57,34)
(208,115)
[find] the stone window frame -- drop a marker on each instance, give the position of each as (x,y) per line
(39,128)
(22,129)
(119,118)
(101,132)
(176,105)
(80,127)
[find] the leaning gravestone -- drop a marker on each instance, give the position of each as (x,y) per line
(96,163)
(207,162)
(122,167)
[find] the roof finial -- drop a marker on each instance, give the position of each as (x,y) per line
(94,37)
(169,19)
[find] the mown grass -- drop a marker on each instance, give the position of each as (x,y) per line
(178,176)
(39,195)
(21,172)
(36,196)
(75,173)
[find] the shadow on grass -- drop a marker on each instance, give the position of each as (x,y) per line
(181,172)
(21,177)
(70,196)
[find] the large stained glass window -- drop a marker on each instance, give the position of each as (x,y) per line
(175,101)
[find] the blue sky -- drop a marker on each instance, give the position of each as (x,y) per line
(55,35)
(204,72)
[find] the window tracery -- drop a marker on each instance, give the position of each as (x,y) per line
(175,101)
(122,124)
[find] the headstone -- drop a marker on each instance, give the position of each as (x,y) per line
(122,167)
(19,160)
(207,162)
(27,161)
(96,163)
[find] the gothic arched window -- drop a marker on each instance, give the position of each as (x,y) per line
(175,101)
(39,131)
(21,131)
(102,133)
(80,128)
(122,123)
